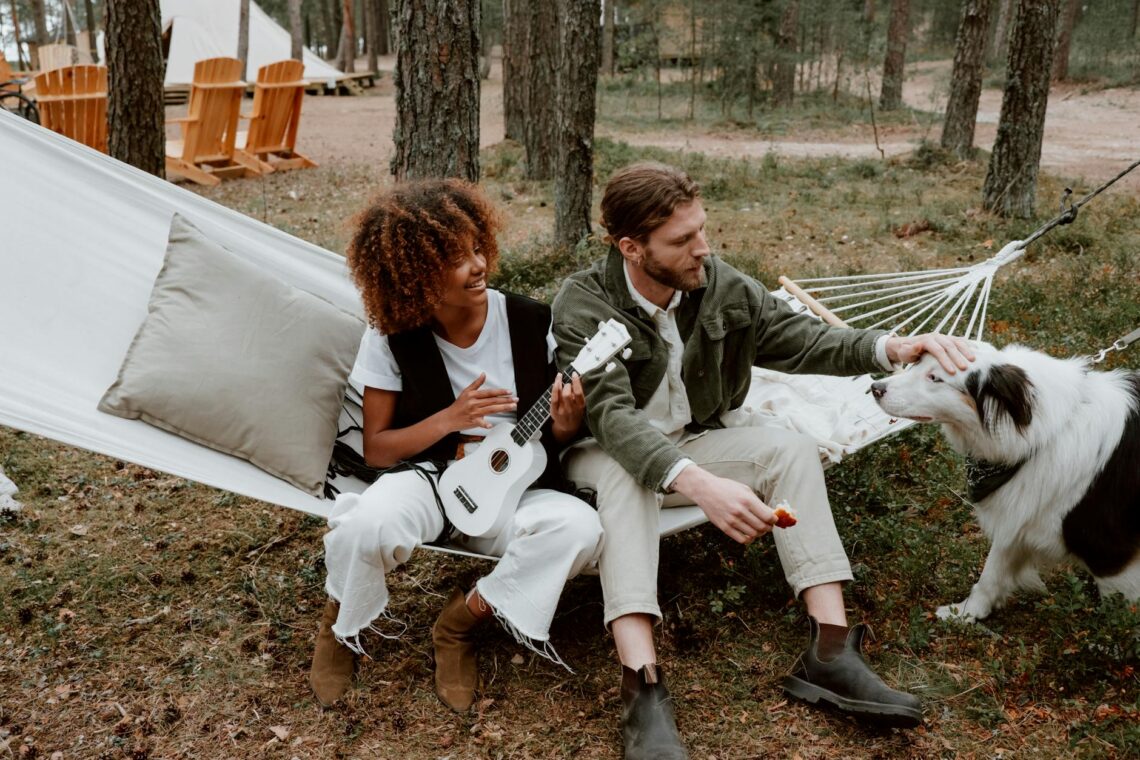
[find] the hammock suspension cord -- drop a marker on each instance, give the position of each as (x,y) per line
(952,301)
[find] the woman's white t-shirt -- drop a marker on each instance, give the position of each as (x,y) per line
(376,365)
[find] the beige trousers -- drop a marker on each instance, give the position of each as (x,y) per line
(775,463)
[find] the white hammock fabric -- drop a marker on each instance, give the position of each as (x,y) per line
(82,240)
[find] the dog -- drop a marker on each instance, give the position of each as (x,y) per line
(1053,460)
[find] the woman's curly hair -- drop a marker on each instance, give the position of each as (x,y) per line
(407,239)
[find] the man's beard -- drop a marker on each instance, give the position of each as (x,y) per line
(682,281)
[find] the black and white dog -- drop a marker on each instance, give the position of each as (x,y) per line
(1053,459)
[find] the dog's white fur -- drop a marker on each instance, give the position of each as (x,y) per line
(1077,419)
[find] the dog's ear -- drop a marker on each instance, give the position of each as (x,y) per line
(1010,390)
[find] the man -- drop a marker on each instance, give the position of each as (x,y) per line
(697,326)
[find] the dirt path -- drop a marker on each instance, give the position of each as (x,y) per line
(1091,135)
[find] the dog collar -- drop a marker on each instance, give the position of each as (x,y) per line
(983,478)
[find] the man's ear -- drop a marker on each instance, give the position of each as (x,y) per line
(631,249)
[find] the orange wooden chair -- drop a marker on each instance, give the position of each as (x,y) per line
(73,102)
(206,151)
(272,136)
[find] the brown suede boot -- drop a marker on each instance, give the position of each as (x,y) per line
(456,670)
(333,662)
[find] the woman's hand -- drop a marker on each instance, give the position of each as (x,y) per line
(567,408)
(474,404)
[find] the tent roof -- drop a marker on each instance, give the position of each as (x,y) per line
(209,28)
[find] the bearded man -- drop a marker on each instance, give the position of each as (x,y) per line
(698,326)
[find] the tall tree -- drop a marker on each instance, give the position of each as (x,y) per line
(92,29)
(577,98)
(1011,181)
(69,25)
(134,69)
(39,18)
(296,31)
(540,129)
(784,70)
(966,79)
(609,20)
(1001,28)
(437,89)
(348,40)
(516,32)
(1065,23)
(371,35)
(243,35)
(383,27)
(19,41)
(890,96)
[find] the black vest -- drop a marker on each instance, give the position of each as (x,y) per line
(427,388)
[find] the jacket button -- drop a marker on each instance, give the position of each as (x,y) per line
(700,373)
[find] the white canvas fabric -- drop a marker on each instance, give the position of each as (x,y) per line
(209,28)
(83,239)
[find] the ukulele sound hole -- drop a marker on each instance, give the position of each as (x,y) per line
(500,460)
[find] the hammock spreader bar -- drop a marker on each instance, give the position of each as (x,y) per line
(912,301)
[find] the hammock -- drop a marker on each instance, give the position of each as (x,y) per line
(84,238)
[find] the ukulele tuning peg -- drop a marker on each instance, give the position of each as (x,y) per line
(627,353)
(601,325)
(610,367)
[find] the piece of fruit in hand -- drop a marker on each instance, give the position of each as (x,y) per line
(785,515)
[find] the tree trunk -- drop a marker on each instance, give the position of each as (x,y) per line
(348,35)
(437,89)
(608,22)
(966,80)
(890,97)
(1011,181)
(372,34)
(784,74)
(516,55)
(1135,19)
(1066,22)
(134,100)
(19,41)
(577,93)
(92,29)
(39,19)
(243,34)
(540,128)
(383,27)
(330,22)
(1001,28)
(296,31)
(69,28)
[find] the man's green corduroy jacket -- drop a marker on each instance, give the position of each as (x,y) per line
(728,325)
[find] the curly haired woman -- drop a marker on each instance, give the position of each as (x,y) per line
(444,359)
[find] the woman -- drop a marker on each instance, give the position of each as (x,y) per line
(444,359)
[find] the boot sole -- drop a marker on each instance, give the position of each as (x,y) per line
(895,716)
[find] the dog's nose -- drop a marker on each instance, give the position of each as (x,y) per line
(878,389)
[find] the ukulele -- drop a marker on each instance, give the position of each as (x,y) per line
(481,491)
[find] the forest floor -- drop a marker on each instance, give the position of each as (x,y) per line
(145,616)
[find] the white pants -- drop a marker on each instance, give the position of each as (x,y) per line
(550,539)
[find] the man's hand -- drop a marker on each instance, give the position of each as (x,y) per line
(733,507)
(952,353)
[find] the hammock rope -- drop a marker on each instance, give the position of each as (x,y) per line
(953,301)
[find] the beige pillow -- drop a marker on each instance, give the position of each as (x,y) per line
(235,359)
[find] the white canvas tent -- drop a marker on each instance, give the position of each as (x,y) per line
(202,29)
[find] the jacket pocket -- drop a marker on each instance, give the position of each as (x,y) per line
(733,316)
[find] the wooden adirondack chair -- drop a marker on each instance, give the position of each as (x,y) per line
(206,152)
(73,102)
(272,136)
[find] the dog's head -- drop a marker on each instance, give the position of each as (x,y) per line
(993,399)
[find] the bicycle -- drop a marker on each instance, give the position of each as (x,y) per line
(15,101)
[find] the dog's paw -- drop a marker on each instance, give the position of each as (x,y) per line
(959,612)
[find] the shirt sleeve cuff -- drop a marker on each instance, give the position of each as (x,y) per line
(674,471)
(881,353)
